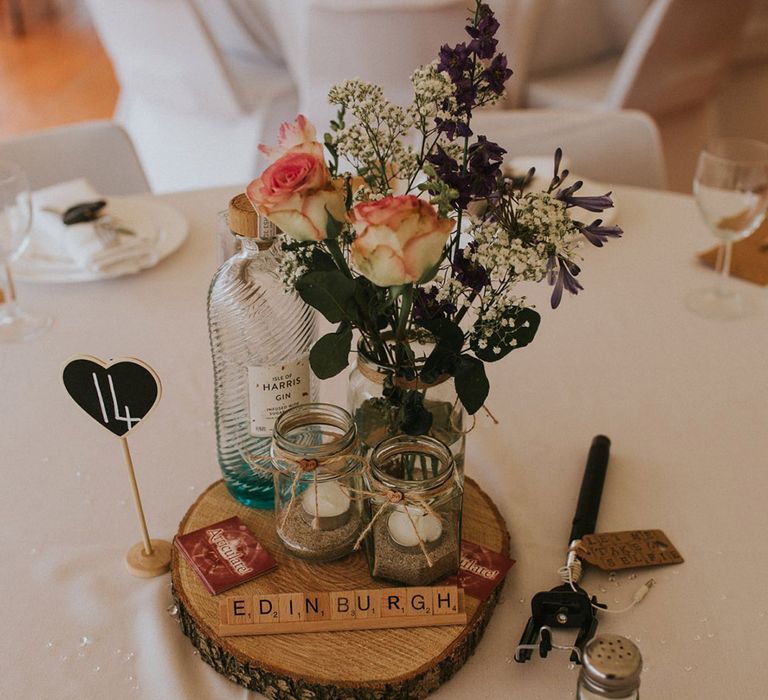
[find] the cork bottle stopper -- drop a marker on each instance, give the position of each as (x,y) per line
(244,220)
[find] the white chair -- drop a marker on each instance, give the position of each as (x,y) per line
(743,101)
(100,151)
(380,41)
(671,69)
(617,148)
(195,112)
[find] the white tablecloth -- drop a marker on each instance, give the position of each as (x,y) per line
(683,400)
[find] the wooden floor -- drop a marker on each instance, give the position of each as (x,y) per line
(57,74)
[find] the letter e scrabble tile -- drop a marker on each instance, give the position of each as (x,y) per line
(239,610)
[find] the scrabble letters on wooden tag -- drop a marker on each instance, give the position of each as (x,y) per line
(118,394)
(332,611)
(629,549)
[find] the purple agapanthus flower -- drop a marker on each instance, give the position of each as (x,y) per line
(468,272)
(427,308)
(594,203)
(562,274)
(597,234)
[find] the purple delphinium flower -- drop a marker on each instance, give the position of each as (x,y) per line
(594,203)
(562,274)
(483,43)
(455,61)
(497,73)
(427,308)
(484,166)
(597,234)
(468,272)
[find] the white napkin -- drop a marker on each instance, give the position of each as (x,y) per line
(79,243)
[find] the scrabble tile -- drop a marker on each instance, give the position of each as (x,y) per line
(317,606)
(419,600)
(239,610)
(266,608)
(393,602)
(445,600)
(367,603)
(292,607)
(342,605)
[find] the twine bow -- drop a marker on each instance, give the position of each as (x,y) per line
(394,497)
(302,466)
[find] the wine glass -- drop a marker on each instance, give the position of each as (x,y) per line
(15,223)
(731,189)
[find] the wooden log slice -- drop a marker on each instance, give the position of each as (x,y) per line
(360,664)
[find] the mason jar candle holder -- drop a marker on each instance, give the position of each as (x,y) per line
(318,482)
(415,502)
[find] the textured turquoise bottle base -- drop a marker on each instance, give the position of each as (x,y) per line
(252,490)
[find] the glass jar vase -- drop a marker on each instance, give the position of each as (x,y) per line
(376,394)
(414,532)
(318,482)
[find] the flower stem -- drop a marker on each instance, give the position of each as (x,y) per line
(334,249)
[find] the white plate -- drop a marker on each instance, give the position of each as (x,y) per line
(544,166)
(165,227)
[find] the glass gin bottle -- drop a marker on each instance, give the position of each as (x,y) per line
(261,334)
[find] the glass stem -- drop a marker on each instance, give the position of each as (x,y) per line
(724,286)
(7,295)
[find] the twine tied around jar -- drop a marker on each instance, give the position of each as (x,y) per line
(394,497)
(303,465)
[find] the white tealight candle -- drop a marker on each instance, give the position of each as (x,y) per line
(401,527)
(328,501)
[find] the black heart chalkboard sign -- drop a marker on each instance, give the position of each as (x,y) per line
(118,395)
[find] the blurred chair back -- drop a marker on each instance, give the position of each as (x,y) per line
(162,50)
(100,151)
(379,41)
(618,148)
(678,55)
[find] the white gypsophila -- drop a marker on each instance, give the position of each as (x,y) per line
(293,263)
(434,93)
(548,220)
(449,291)
(493,317)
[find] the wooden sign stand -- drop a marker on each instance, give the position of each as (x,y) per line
(335,611)
(139,388)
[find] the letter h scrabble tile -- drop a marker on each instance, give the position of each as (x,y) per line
(331,611)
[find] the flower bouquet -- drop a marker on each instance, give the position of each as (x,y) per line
(411,234)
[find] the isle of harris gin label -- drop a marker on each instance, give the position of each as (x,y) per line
(273,389)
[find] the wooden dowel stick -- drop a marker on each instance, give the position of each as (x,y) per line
(137,498)
(11,288)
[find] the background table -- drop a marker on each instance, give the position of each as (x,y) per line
(682,398)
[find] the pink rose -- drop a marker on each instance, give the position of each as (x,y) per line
(398,239)
(296,192)
(291,136)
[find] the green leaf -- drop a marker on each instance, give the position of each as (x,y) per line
(417,420)
(447,334)
(332,227)
(330,354)
(330,292)
(523,324)
(322,262)
(471,383)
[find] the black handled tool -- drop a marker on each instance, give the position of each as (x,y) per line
(569,606)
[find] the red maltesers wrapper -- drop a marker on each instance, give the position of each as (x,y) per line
(225,554)
(480,570)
